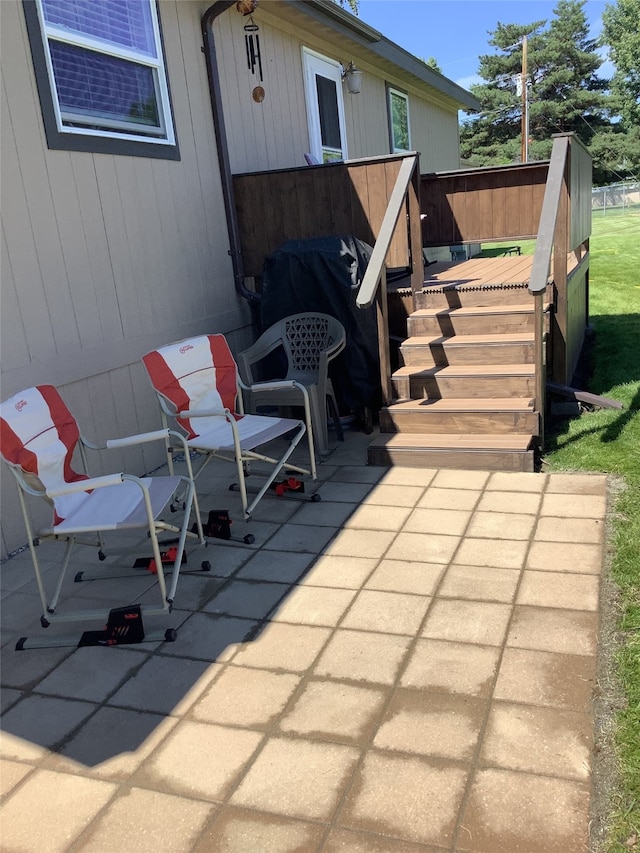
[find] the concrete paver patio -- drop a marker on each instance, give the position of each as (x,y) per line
(407,665)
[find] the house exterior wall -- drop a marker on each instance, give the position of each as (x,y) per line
(106,257)
(273,134)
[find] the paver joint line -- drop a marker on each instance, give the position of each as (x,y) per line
(413,671)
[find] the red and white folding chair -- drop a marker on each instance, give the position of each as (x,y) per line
(39,436)
(198,384)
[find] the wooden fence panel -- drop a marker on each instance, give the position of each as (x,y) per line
(316,201)
(477,205)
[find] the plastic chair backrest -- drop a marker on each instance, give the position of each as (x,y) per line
(38,438)
(309,336)
(195,373)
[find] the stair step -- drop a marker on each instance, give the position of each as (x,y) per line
(465,380)
(432,350)
(461,415)
(470,451)
(469,320)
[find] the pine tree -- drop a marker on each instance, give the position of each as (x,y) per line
(564,92)
(622,35)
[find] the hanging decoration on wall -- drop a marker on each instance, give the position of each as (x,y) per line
(252,44)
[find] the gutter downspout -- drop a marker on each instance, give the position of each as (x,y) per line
(221,145)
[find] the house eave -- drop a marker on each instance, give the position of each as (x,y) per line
(384,51)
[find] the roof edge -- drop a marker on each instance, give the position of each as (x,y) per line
(412,65)
(329,9)
(334,15)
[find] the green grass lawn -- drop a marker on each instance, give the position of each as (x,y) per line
(608,440)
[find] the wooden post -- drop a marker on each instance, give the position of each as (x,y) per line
(540,363)
(561,244)
(415,231)
(524,154)
(383,339)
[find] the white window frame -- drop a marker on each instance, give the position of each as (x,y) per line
(75,131)
(391,93)
(314,65)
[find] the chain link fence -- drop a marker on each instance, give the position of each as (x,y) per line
(615,198)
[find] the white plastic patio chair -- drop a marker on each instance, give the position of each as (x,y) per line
(39,436)
(308,343)
(198,385)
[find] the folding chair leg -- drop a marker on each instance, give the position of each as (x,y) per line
(278,467)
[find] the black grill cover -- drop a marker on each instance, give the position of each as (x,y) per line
(324,274)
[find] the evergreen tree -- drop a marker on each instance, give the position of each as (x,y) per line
(622,35)
(569,96)
(564,92)
(493,137)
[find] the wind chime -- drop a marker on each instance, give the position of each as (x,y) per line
(252,45)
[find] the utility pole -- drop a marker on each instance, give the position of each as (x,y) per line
(524,151)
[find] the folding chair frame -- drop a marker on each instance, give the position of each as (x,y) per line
(71,537)
(241,457)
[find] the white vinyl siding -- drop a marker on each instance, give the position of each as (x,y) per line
(105,256)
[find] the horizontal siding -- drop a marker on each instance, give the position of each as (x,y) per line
(106,257)
(434,134)
(274,133)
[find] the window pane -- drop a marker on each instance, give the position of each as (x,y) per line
(328,109)
(399,122)
(126,23)
(96,86)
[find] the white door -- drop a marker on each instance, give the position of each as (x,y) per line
(325,107)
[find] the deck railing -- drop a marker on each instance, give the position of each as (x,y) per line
(549,201)
(374,284)
(326,201)
(364,198)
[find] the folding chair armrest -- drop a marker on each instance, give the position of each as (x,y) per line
(202,413)
(85,485)
(277,385)
(140,438)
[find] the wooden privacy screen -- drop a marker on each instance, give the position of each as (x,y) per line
(317,201)
(473,205)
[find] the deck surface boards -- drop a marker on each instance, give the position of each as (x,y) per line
(480,271)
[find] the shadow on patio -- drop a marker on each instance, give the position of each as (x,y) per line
(407,665)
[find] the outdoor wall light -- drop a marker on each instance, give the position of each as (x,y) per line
(353,78)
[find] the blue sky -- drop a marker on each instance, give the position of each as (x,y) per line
(455,31)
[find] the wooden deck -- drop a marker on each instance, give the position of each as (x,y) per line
(506,270)
(477,272)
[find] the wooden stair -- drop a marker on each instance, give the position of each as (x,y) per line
(465,388)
